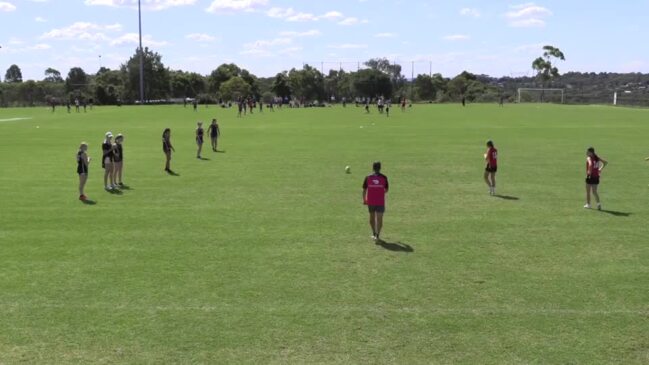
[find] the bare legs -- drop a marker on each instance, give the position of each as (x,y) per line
(376,222)
(167,161)
(109,175)
(490,179)
(118,172)
(82,183)
(200,149)
(592,189)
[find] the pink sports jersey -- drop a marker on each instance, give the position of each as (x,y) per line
(492,157)
(594,169)
(377,186)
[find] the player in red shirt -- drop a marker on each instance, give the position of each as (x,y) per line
(375,186)
(594,166)
(491,157)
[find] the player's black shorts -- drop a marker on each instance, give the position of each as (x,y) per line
(376,208)
(491,169)
(592,180)
(82,170)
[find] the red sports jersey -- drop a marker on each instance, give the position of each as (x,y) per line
(492,157)
(593,170)
(376,186)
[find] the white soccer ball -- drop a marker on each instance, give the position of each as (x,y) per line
(348,169)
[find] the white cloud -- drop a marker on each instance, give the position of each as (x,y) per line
(268,43)
(40,19)
(348,46)
(235,5)
(146,4)
(527,15)
(291,15)
(290,51)
(5,6)
(385,35)
(82,31)
(456,37)
(352,21)
(472,12)
(200,37)
(332,15)
(308,33)
(133,38)
(36,47)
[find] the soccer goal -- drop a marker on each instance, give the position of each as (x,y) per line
(532,95)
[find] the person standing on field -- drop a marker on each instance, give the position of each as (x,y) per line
(83,160)
(167,148)
(594,167)
(491,157)
(119,159)
(214,133)
(107,162)
(375,186)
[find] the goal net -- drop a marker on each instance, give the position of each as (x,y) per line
(531,95)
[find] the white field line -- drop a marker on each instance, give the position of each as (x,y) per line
(15,119)
(283,309)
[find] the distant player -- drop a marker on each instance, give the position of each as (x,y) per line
(167,148)
(403,104)
(107,162)
(375,186)
(463,100)
(83,160)
(214,132)
(491,157)
(387,109)
(199,139)
(195,104)
(502,100)
(68,106)
(119,159)
(594,167)
(367,106)
(76,104)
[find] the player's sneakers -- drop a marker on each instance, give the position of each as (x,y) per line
(599,206)
(108,188)
(587,206)
(83,198)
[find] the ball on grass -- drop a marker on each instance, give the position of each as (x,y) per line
(348,170)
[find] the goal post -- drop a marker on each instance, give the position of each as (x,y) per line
(540,95)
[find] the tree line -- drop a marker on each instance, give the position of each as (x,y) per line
(228,82)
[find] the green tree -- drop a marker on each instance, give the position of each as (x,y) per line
(77,80)
(109,86)
(545,69)
(13,74)
(307,83)
(234,88)
(156,76)
(281,85)
(372,83)
(52,75)
(222,74)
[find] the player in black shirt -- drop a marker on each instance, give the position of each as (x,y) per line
(107,162)
(214,133)
(199,139)
(82,169)
(119,159)
(167,148)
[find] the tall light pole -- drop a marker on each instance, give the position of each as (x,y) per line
(139,16)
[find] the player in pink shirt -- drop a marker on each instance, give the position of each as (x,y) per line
(375,186)
(491,157)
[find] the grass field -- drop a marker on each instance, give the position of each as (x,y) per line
(262,255)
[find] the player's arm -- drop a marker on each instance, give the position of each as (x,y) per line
(604,163)
(387,185)
(365,191)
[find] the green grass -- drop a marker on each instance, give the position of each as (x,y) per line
(262,255)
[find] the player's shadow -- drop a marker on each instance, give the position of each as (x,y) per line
(89,202)
(172,173)
(220,151)
(204,159)
(126,187)
(616,213)
(395,246)
(507,197)
(116,192)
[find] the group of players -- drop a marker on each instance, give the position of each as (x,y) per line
(112,159)
(376,186)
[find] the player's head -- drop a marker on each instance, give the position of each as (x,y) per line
(83,146)
(119,138)
(214,121)
(490,143)
(590,152)
(199,124)
(109,136)
(166,132)
(376,166)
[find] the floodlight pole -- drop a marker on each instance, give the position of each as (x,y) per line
(139,16)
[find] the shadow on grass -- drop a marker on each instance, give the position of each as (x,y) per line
(220,151)
(172,173)
(204,159)
(89,202)
(507,197)
(125,187)
(616,213)
(115,192)
(395,246)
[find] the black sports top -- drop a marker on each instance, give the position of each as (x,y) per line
(107,151)
(119,153)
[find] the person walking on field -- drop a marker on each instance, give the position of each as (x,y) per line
(375,186)
(119,159)
(594,167)
(214,133)
(107,162)
(199,139)
(167,148)
(83,160)
(491,157)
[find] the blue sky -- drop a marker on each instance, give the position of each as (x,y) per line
(267,36)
